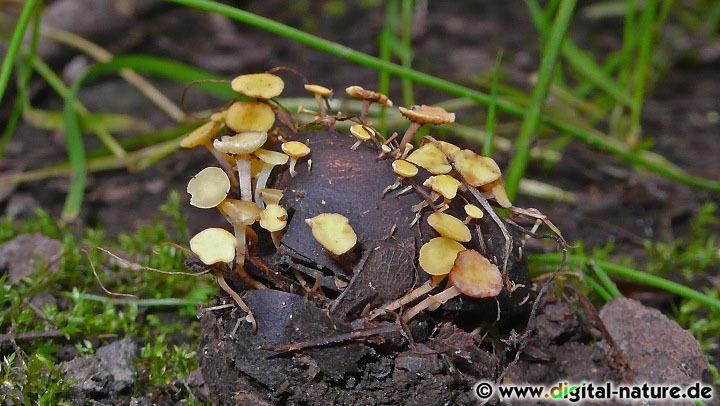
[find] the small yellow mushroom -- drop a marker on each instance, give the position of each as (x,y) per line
(368,97)
(333,231)
(449,227)
(271,196)
(444,185)
(422,114)
(260,85)
(214,245)
(208,188)
(274,219)
(295,150)
(475,276)
(321,93)
(270,159)
(403,169)
(240,146)
(473,212)
(362,133)
(245,116)
(437,256)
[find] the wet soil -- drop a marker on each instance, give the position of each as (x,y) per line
(455,40)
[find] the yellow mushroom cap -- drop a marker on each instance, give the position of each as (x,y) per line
(423,114)
(295,149)
(319,90)
(214,245)
(361,132)
(473,211)
(431,158)
(273,218)
(240,212)
(475,276)
(271,157)
(245,116)
(333,231)
(200,136)
(369,95)
(271,196)
(497,191)
(260,85)
(437,256)
(476,170)
(445,185)
(404,168)
(449,227)
(208,188)
(241,144)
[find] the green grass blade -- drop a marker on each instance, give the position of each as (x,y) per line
(609,285)
(487,149)
(446,86)
(531,119)
(406,56)
(642,66)
(598,288)
(630,274)
(76,151)
(581,62)
(14,44)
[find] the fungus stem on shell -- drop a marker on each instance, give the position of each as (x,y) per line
(402,301)
(237,298)
(241,249)
(244,177)
(409,133)
(431,300)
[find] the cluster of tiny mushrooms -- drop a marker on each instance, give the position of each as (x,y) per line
(236,136)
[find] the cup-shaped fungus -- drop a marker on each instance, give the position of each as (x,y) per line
(214,245)
(295,150)
(422,114)
(321,93)
(270,159)
(476,170)
(432,158)
(444,185)
(449,227)
(437,256)
(260,85)
(208,188)
(334,233)
(496,190)
(274,219)
(471,274)
(472,212)
(245,116)
(271,196)
(403,169)
(368,97)
(240,146)
(362,133)
(475,276)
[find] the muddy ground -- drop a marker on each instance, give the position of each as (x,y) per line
(455,40)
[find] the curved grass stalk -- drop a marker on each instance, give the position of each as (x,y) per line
(631,274)
(102,55)
(589,137)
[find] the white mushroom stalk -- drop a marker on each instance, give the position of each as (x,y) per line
(240,146)
(270,159)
